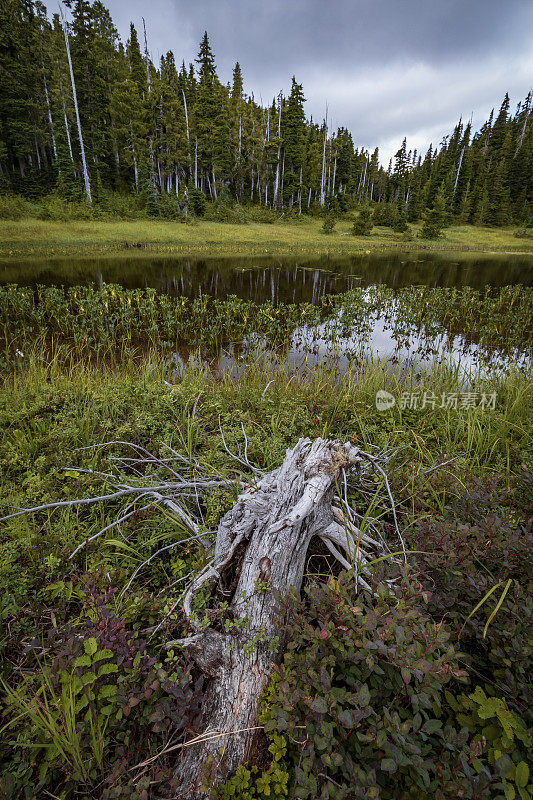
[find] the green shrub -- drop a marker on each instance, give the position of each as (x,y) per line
(385,214)
(96,707)
(57,209)
(470,548)
(168,206)
(250,784)
(435,218)
(500,742)
(197,202)
(363,224)
(121,206)
(262,214)
(328,226)
(13,207)
(361,690)
(400,224)
(224,211)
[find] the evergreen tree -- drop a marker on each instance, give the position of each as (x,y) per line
(293,132)
(400,223)
(136,63)
(155,129)
(435,218)
(363,224)
(20,89)
(207,113)
(237,87)
(328,226)
(126,109)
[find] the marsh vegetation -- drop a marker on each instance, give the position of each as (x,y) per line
(97,702)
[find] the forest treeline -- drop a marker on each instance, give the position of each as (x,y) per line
(85,116)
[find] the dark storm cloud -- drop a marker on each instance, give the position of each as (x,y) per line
(368,32)
(387,68)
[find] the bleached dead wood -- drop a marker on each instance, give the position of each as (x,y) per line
(259,556)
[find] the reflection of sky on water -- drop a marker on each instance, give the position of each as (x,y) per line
(380,343)
(319,345)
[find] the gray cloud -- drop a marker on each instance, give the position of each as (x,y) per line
(387,68)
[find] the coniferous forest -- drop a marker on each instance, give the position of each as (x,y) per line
(86,116)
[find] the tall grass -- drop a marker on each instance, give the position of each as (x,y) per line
(272,396)
(54,719)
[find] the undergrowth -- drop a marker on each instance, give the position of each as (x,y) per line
(416,698)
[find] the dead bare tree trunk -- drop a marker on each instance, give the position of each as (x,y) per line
(74,97)
(260,553)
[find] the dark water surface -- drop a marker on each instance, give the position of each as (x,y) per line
(298,280)
(279,280)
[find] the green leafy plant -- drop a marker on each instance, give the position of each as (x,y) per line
(328,226)
(361,690)
(56,711)
(501,740)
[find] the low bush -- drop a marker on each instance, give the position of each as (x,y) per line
(367,703)
(360,698)
(224,211)
(262,214)
(328,226)
(121,206)
(168,206)
(197,202)
(472,547)
(13,206)
(363,224)
(57,209)
(95,706)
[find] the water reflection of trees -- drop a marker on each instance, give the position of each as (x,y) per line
(278,280)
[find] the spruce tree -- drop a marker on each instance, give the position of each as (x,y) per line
(207,112)
(328,226)
(293,132)
(156,129)
(136,63)
(435,218)
(130,128)
(237,87)
(363,224)
(400,223)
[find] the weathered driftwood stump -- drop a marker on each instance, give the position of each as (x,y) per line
(260,552)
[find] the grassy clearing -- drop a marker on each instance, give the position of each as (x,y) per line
(32,237)
(133,395)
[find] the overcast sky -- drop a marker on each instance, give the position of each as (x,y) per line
(386,68)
